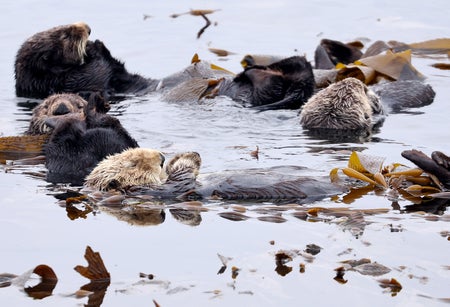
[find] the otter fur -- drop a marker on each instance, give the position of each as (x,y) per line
(77,144)
(344,105)
(136,166)
(54,105)
(184,182)
(285,84)
(45,57)
(62,59)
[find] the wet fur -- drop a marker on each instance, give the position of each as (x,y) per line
(61,60)
(47,56)
(285,84)
(54,105)
(78,144)
(345,105)
(131,167)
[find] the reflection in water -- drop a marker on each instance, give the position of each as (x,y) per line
(98,289)
(187,217)
(137,215)
(42,290)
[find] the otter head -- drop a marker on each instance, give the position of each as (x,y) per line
(55,105)
(344,105)
(136,166)
(62,45)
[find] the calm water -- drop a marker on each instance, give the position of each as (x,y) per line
(36,229)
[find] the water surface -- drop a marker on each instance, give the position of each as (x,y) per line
(183,258)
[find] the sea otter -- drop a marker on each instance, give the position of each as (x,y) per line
(438,165)
(346,105)
(130,167)
(349,107)
(78,143)
(62,59)
(284,84)
(183,182)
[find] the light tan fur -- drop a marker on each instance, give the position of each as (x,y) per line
(345,105)
(182,162)
(52,106)
(136,166)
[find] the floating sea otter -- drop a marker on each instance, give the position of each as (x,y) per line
(55,105)
(438,165)
(183,181)
(78,142)
(62,59)
(350,108)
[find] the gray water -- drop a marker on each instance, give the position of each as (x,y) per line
(36,229)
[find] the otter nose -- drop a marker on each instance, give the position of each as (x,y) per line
(61,110)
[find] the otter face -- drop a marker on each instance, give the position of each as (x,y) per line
(345,105)
(136,166)
(62,45)
(55,105)
(44,58)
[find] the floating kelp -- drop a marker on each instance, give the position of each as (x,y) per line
(392,284)
(96,270)
(434,46)
(365,266)
(391,66)
(201,13)
(313,249)
(442,66)
(98,275)
(220,52)
(44,288)
(408,182)
(20,147)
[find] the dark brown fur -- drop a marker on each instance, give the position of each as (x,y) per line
(77,144)
(285,84)
(54,105)
(61,60)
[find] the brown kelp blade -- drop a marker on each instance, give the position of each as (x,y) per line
(19,147)
(96,270)
(394,65)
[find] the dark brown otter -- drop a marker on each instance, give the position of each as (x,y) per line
(78,143)
(438,165)
(330,52)
(285,84)
(61,60)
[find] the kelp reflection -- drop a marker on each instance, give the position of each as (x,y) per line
(96,272)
